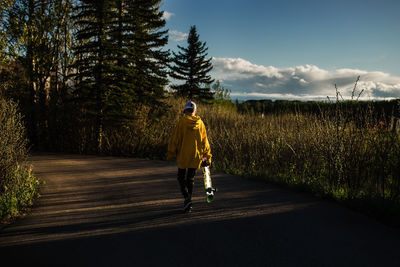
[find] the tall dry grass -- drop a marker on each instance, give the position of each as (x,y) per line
(345,155)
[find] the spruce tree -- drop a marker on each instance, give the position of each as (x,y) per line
(146,56)
(120,61)
(93,62)
(192,66)
(138,74)
(120,97)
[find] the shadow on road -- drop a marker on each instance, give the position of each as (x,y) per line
(104,211)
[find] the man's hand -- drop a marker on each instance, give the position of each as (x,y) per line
(205,162)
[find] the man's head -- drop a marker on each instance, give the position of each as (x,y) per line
(190,108)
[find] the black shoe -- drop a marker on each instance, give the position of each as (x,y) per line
(187,206)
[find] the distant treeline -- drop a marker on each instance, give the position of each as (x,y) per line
(386,108)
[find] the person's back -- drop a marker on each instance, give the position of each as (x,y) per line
(190,144)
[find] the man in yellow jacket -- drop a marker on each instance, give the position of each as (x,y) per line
(190,144)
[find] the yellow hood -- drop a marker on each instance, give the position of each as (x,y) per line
(192,122)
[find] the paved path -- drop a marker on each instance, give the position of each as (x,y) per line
(107,211)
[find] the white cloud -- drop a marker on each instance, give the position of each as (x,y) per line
(177,36)
(238,68)
(167,15)
(248,80)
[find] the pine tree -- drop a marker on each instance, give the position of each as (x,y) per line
(146,56)
(191,66)
(92,64)
(120,62)
(138,74)
(120,93)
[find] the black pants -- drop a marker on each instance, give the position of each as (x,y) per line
(186,181)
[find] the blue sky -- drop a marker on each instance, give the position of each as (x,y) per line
(295,49)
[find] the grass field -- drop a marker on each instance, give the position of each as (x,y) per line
(352,159)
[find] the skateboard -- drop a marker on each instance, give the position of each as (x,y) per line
(205,167)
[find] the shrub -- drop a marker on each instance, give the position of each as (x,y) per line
(18,187)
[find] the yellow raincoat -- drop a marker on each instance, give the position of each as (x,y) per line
(189,142)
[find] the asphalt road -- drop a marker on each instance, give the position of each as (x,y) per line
(108,211)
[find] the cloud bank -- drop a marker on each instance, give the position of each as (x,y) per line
(309,82)
(177,36)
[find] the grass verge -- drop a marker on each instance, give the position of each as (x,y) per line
(18,186)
